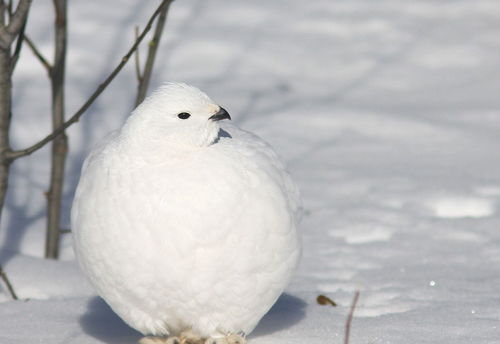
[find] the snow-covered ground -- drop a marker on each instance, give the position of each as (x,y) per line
(388,114)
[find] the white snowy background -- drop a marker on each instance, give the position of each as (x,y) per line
(387,113)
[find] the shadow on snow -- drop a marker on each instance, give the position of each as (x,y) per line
(100,322)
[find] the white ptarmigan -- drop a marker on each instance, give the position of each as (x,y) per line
(185,225)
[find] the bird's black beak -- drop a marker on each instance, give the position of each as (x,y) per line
(221,114)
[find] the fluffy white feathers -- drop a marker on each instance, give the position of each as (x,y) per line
(186,223)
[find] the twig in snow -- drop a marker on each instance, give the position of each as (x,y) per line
(349,317)
(325,300)
(5,279)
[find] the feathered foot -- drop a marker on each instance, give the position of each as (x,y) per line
(154,340)
(229,339)
(189,337)
(173,340)
(236,339)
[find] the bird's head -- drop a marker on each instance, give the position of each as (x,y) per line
(176,114)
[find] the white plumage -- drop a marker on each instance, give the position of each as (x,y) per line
(186,224)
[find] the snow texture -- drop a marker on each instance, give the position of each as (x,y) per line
(387,114)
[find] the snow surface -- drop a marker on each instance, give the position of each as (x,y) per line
(387,113)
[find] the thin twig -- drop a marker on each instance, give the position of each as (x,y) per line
(137,58)
(19,45)
(12,155)
(9,8)
(5,279)
(2,13)
(38,54)
(349,317)
(153,47)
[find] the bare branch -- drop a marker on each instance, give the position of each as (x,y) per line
(153,47)
(38,54)
(4,10)
(4,38)
(137,58)
(8,33)
(349,317)
(20,36)
(5,279)
(60,143)
(2,13)
(76,116)
(9,9)
(19,17)
(17,50)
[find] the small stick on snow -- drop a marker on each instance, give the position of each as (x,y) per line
(4,277)
(325,300)
(349,317)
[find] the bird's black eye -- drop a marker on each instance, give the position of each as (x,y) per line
(184,115)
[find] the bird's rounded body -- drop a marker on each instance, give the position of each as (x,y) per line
(177,237)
